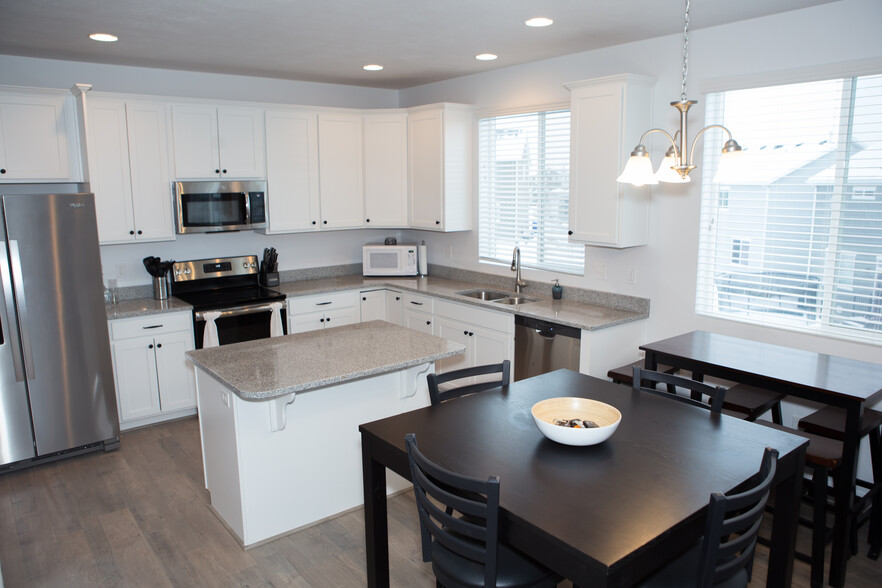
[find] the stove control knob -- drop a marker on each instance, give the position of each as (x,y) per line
(245,264)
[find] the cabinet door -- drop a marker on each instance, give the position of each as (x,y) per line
(195,142)
(134,362)
(488,346)
(107,144)
(340,170)
(419,321)
(149,162)
(307,321)
(292,171)
(342,316)
(394,307)
(385,170)
(373,306)
(241,143)
(608,116)
(176,376)
(458,332)
(426,152)
(33,138)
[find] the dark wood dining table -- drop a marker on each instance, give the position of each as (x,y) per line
(601,515)
(828,379)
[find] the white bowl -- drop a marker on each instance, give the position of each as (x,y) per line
(547,411)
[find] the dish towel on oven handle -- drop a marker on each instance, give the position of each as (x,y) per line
(209,338)
(276,329)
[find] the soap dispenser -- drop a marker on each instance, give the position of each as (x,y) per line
(556,290)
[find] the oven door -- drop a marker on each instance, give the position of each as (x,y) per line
(242,323)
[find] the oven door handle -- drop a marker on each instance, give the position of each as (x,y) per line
(236,311)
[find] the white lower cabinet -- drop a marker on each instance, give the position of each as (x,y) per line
(488,335)
(419,313)
(320,311)
(154,381)
(373,305)
(394,307)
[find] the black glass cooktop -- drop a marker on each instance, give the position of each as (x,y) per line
(229,297)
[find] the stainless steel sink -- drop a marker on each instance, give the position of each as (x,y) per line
(488,295)
(515,300)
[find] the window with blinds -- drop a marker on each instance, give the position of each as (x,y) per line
(797,242)
(523,190)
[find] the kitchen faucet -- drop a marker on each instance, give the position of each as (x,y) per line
(516,267)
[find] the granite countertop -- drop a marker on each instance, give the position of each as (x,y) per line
(269,368)
(144,307)
(573,313)
(601,312)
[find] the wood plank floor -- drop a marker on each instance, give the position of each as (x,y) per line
(139,516)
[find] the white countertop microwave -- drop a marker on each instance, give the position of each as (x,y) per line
(389,260)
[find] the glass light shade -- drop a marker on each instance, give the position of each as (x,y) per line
(638,171)
(731,168)
(667,174)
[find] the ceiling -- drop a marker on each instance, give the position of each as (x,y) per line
(418,41)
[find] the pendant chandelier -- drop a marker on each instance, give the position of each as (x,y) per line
(675,167)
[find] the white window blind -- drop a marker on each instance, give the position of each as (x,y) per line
(523,188)
(808,204)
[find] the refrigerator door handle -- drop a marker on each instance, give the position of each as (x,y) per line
(21,304)
(11,332)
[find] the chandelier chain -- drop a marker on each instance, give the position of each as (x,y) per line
(685,53)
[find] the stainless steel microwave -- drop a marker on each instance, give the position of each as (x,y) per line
(214,207)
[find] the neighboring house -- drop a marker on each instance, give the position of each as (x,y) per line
(777,260)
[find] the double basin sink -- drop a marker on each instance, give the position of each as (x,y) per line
(497,297)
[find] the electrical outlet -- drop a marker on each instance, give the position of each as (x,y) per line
(120,270)
(450,251)
(597,270)
(632,275)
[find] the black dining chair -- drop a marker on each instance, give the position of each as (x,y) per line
(462,542)
(435,381)
(724,556)
(716,394)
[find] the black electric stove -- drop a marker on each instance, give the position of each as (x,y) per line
(230,286)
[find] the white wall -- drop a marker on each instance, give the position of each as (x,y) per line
(666,268)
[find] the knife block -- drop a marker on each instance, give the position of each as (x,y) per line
(269,279)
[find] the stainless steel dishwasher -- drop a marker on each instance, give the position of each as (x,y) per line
(542,346)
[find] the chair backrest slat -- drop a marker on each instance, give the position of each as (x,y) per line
(435,381)
(698,390)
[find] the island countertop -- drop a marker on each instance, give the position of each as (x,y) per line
(269,368)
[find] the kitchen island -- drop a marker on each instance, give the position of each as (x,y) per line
(279,419)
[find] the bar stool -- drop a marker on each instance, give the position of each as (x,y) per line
(830,422)
(754,402)
(823,457)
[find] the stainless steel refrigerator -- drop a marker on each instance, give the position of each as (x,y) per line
(56,379)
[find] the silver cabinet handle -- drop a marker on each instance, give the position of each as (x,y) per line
(11,333)
(20,302)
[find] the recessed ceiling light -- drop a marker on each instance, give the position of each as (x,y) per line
(104,37)
(486,57)
(372,67)
(539,21)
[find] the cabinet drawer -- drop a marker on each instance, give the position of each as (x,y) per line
(152,325)
(322,302)
(489,319)
(419,302)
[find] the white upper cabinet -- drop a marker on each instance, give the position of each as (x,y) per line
(127,146)
(341,164)
(439,145)
(385,169)
(38,136)
(218,142)
(608,117)
(292,171)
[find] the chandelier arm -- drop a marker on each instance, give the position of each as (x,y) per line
(666,134)
(700,133)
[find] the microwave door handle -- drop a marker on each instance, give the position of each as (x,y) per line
(21,304)
(9,300)
(247,196)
